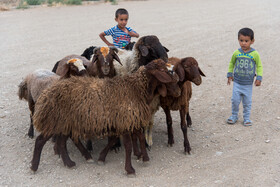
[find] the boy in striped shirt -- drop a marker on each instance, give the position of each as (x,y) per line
(120,33)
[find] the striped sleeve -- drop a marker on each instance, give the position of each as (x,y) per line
(109,32)
(130,29)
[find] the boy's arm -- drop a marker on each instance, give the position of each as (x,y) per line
(259,70)
(230,68)
(132,33)
(102,36)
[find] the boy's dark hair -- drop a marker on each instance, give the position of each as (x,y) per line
(121,11)
(246,32)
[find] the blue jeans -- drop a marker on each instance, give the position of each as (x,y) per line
(241,93)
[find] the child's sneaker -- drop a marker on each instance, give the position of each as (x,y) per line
(231,120)
(247,123)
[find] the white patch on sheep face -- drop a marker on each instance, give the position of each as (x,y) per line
(79,65)
(169,67)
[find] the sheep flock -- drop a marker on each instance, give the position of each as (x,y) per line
(109,93)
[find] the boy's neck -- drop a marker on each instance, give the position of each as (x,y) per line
(121,28)
(249,50)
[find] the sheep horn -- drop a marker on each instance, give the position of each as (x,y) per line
(114,49)
(95,49)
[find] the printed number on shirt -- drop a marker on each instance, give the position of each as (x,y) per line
(244,63)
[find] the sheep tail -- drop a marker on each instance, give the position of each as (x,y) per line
(22,90)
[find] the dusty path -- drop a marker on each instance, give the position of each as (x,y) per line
(222,155)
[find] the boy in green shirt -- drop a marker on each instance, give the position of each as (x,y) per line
(242,67)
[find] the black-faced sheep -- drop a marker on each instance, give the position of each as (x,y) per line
(188,71)
(146,49)
(89,107)
(34,83)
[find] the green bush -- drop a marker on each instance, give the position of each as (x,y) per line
(113,2)
(73,2)
(34,2)
(54,1)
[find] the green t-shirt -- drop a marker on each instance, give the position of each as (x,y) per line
(243,66)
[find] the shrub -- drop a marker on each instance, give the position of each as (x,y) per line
(34,2)
(73,2)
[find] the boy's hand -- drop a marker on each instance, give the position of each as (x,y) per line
(133,34)
(229,80)
(258,82)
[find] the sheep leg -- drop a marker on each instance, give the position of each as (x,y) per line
(142,141)
(39,144)
(82,149)
(189,119)
(89,145)
(31,105)
(187,147)
(117,144)
(111,142)
(128,149)
(135,147)
(169,126)
(55,147)
(61,142)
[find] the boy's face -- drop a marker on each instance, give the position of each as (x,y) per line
(245,42)
(122,20)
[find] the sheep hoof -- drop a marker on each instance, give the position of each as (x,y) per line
(169,145)
(70,164)
(187,152)
(100,163)
(90,160)
(131,175)
(33,169)
(146,163)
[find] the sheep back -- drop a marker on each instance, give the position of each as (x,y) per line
(87,107)
(35,82)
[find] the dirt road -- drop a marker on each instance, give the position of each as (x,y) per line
(222,155)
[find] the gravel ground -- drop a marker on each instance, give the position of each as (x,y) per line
(222,155)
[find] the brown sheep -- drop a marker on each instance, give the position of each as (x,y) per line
(101,65)
(188,71)
(87,107)
(34,83)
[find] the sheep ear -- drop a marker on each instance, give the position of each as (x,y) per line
(64,71)
(162,76)
(162,90)
(201,73)
(180,71)
(144,50)
(167,50)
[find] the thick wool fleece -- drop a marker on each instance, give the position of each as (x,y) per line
(86,107)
